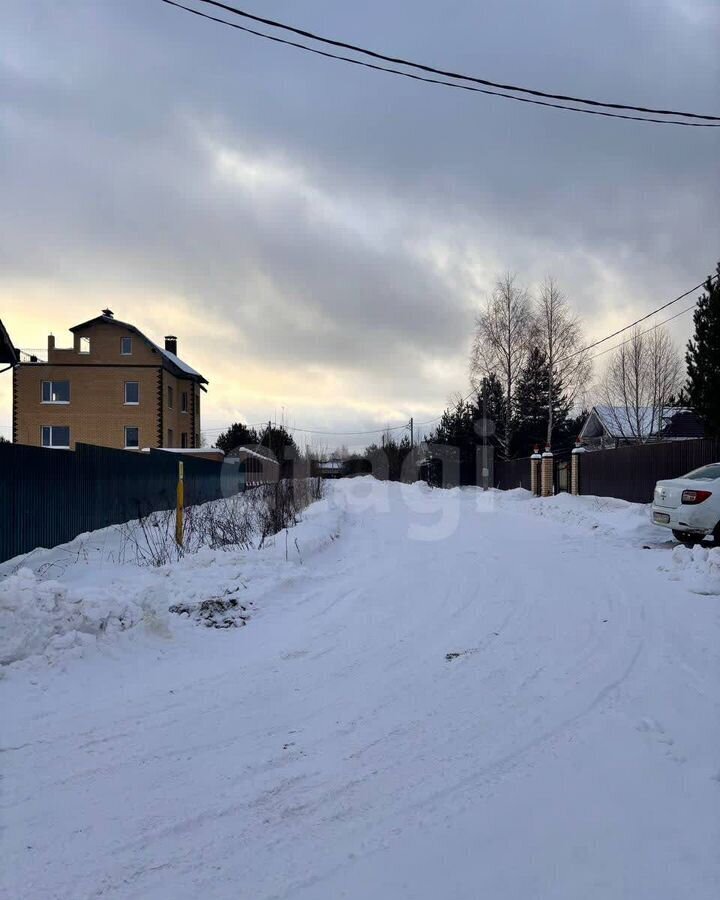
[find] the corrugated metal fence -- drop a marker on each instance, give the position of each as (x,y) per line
(512,473)
(48,497)
(630,473)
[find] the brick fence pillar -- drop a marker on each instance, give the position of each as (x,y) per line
(575,466)
(546,474)
(535,461)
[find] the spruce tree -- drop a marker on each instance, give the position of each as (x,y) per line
(703,357)
(237,435)
(491,398)
(532,404)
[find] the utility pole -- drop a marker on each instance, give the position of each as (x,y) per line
(485,471)
(412,432)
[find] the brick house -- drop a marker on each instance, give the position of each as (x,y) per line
(114,387)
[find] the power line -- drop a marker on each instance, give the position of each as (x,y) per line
(636,322)
(647,331)
(462,87)
(349,433)
(450,74)
(317,431)
(614,334)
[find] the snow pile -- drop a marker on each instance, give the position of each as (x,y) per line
(629,521)
(47,616)
(697,568)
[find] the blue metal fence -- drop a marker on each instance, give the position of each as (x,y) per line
(48,497)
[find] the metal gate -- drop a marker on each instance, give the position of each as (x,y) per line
(561,473)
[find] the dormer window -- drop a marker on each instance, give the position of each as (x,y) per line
(84,345)
(126,346)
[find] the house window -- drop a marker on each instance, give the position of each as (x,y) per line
(183,439)
(126,346)
(132,392)
(184,401)
(170,437)
(132,437)
(84,344)
(170,397)
(56,436)
(56,392)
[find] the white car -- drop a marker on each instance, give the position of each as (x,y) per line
(690,505)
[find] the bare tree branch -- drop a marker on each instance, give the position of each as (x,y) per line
(558,333)
(642,376)
(500,344)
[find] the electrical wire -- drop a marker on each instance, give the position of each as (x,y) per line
(647,331)
(462,87)
(614,334)
(637,321)
(450,74)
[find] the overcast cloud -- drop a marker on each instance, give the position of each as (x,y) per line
(319,235)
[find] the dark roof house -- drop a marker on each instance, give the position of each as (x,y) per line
(609,426)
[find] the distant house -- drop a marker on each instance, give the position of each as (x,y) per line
(113,387)
(330,468)
(9,356)
(258,463)
(610,426)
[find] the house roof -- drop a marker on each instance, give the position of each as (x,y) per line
(8,353)
(620,422)
(262,453)
(174,362)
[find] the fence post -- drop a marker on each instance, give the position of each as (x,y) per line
(535,461)
(546,473)
(180,505)
(575,466)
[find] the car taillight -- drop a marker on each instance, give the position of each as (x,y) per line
(692,497)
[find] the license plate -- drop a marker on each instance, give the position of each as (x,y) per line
(661,518)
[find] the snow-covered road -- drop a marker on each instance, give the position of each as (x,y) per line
(460,696)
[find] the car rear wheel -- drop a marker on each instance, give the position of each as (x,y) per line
(687,537)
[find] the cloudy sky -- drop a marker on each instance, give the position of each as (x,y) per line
(318,235)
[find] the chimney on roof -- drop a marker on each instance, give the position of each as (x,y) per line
(51,342)
(171,343)
(108,313)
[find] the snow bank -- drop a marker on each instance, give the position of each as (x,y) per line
(48,617)
(620,518)
(697,568)
(81,596)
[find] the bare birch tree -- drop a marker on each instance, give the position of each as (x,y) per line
(643,373)
(557,331)
(500,344)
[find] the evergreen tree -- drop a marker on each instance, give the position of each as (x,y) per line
(491,402)
(703,357)
(237,435)
(278,439)
(531,406)
(387,458)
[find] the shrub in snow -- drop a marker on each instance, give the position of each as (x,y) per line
(233,523)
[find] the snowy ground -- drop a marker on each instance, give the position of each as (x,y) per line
(438,694)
